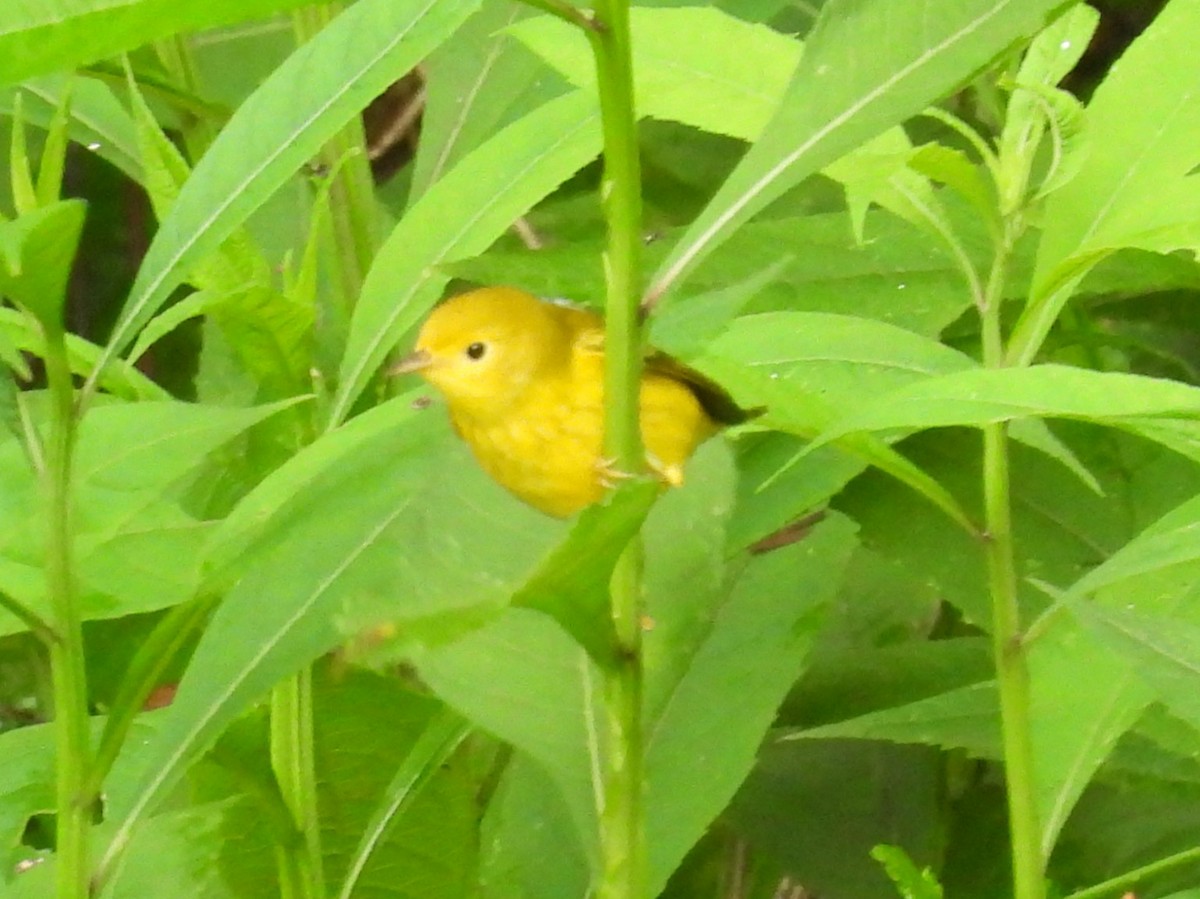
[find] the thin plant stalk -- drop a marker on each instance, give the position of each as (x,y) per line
(622,874)
(1008,648)
(68,674)
(353,216)
(294,765)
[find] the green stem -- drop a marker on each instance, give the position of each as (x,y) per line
(1132,878)
(199,130)
(292,760)
(622,816)
(1012,673)
(68,675)
(352,192)
(142,675)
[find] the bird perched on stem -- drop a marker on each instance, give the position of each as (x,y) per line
(524,382)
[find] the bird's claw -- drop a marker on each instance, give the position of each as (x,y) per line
(610,476)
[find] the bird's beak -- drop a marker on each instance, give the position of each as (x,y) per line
(417,360)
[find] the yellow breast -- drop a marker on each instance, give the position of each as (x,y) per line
(548,449)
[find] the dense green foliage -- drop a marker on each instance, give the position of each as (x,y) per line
(926,627)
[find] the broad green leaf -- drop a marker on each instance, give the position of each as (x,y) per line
(687,575)
(476,83)
(541,862)
(459,216)
(866,67)
(1084,696)
(683,329)
(967,718)
(805,367)
(50,35)
(848,678)
(571,585)
(121,379)
(696,65)
(1165,652)
(26,780)
(1146,146)
(135,546)
(179,856)
(36,252)
(524,680)
(276,131)
(412,542)
(237,265)
(982,396)
(1082,699)
(390,787)
(704,743)
(896,276)
(1168,542)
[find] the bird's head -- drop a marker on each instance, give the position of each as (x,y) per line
(482,348)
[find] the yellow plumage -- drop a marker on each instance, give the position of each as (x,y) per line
(524,383)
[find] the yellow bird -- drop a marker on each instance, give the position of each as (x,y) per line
(524,382)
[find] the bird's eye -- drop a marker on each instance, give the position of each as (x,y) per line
(476,350)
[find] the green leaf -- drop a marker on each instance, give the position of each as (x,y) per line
(180,855)
(26,780)
(816,810)
(429,753)
(54,150)
(1168,542)
(276,131)
(982,396)
(1146,146)
(896,276)
(1082,700)
(459,216)
(705,741)
(24,194)
(866,67)
(36,252)
(571,586)
(967,718)
(804,367)
(540,862)
(135,546)
(686,327)
(1084,696)
(524,680)
(1050,57)
(391,785)
(97,121)
(696,65)
(413,542)
(48,36)
(122,379)
(911,882)
(479,81)
(1165,652)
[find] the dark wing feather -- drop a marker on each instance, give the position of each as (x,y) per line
(714,399)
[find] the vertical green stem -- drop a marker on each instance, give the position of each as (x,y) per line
(352,193)
(293,762)
(1012,672)
(68,675)
(621,819)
